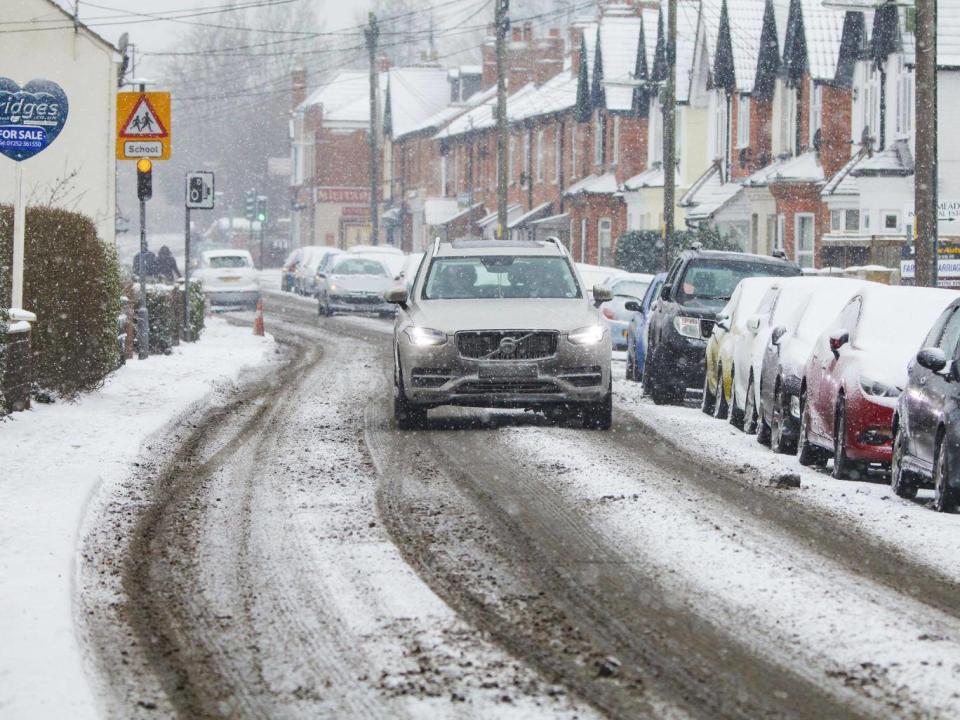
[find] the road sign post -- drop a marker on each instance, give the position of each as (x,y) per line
(23,134)
(199,196)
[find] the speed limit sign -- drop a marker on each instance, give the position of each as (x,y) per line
(200,190)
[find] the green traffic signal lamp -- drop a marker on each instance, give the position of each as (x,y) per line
(261,217)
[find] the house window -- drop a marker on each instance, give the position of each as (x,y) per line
(786,120)
(804,239)
(583,239)
(905,90)
(778,242)
(816,110)
(616,140)
(719,100)
(656,133)
(511,159)
(743,121)
(539,155)
(844,221)
(891,221)
(605,241)
(574,148)
(557,153)
(599,127)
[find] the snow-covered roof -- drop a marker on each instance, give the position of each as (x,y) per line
(536,213)
(450,113)
(416,93)
(492,216)
(559,93)
(648,178)
(341,95)
(896,160)
(746,26)
(438,211)
(823,30)
(803,168)
(709,194)
(619,40)
(844,182)
(605,184)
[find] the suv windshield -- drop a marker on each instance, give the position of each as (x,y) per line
(712,281)
(500,276)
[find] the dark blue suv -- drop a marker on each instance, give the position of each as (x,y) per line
(697,286)
(637,330)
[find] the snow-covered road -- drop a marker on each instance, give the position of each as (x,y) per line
(289,553)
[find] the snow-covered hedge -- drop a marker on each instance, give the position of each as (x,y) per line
(4,317)
(165,304)
(72,283)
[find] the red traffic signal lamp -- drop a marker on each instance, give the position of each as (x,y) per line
(144,179)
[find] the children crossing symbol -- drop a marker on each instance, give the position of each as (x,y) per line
(144,122)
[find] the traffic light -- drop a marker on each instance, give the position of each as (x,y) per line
(251,204)
(261,208)
(144,179)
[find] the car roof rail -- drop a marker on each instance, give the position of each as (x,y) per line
(556,241)
(779,253)
(696,246)
(436,246)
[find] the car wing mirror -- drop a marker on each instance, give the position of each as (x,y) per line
(665,292)
(777,334)
(632,306)
(723,322)
(397,296)
(601,294)
(753,324)
(837,340)
(932,358)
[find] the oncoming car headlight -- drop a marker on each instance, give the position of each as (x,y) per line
(875,388)
(423,337)
(589,335)
(687,326)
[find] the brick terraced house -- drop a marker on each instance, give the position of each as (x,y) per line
(794,132)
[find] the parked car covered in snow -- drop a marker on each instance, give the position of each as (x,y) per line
(698,285)
(352,283)
(729,332)
(228,277)
(626,287)
(855,374)
(637,327)
(785,356)
(392,257)
(926,424)
(314,258)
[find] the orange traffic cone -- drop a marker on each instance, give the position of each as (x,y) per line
(258,320)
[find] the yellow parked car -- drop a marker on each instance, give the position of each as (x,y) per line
(730,329)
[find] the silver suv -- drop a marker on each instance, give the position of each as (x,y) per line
(501,324)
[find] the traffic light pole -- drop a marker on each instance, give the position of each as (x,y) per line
(143,314)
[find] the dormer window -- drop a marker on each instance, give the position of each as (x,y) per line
(743,121)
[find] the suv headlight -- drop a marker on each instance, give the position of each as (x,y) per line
(687,326)
(589,335)
(423,337)
(875,388)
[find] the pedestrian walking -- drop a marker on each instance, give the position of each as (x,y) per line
(167,269)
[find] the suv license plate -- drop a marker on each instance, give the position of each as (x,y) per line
(501,370)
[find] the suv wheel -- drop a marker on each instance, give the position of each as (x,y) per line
(781,411)
(843,467)
(944,496)
(407,416)
(807,453)
(900,481)
(599,416)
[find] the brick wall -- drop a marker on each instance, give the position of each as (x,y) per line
(835,132)
(793,198)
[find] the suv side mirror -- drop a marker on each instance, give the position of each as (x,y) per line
(777,334)
(837,340)
(753,323)
(665,292)
(932,358)
(601,294)
(397,296)
(632,306)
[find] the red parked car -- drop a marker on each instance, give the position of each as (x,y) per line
(856,371)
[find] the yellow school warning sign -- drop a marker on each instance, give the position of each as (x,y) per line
(143,125)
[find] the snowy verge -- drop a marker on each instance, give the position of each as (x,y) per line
(868,505)
(55,459)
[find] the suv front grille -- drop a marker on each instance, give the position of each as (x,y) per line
(508,387)
(491,345)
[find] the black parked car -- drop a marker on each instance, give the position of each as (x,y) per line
(926,425)
(698,285)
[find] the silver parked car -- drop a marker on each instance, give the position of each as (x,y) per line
(501,324)
(626,287)
(354,284)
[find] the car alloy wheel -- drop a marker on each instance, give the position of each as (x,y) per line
(944,496)
(752,422)
(781,410)
(843,467)
(631,367)
(900,481)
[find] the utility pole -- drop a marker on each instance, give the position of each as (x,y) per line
(925,169)
(502,23)
(372,33)
(669,131)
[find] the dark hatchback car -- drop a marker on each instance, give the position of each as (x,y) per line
(698,285)
(926,425)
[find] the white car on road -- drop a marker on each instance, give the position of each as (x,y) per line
(228,277)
